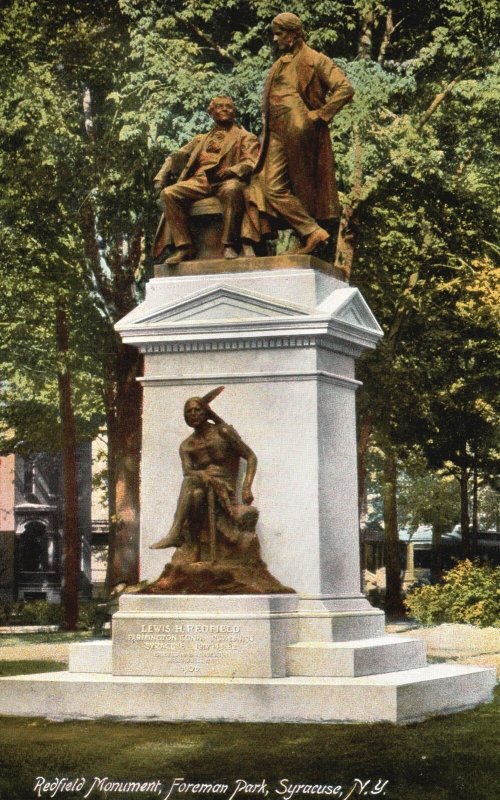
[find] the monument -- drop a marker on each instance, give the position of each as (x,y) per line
(255,617)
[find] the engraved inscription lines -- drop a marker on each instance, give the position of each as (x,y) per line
(182,641)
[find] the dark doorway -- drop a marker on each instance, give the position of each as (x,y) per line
(33,548)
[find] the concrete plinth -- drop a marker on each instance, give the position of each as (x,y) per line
(283,342)
(398,697)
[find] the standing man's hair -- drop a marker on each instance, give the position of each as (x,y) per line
(289,22)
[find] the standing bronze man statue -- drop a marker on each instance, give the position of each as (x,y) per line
(217,163)
(303,92)
(210,460)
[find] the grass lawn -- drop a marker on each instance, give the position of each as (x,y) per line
(52,637)
(28,668)
(448,757)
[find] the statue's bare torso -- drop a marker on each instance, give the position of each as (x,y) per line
(218,449)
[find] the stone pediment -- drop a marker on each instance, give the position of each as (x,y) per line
(348,306)
(225,313)
(220,303)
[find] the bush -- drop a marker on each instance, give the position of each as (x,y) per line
(91,616)
(31,612)
(376,597)
(469,592)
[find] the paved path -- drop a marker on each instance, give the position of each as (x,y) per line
(59,651)
(465,644)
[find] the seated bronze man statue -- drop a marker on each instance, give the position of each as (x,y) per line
(217,163)
(210,459)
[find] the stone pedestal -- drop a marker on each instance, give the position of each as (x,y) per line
(240,636)
(239,659)
(283,341)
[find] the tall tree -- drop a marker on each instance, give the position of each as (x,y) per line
(73,200)
(98,92)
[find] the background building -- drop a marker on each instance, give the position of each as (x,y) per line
(31,525)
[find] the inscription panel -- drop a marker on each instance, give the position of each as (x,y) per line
(197,648)
(205,643)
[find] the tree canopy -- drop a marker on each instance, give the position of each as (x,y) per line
(97,92)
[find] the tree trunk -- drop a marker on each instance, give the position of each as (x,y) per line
(436,559)
(464,512)
(366,36)
(365,432)
(125,450)
(71,537)
(344,252)
(475,511)
(111,486)
(393,599)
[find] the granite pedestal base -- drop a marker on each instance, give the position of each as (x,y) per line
(399,697)
(242,658)
(282,335)
(241,636)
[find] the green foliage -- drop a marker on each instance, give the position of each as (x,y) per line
(469,593)
(92,615)
(44,162)
(426,497)
(31,612)
(376,597)
(96,93)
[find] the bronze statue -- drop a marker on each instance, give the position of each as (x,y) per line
(296,181)
(210,460)
(218,550)
(217,163)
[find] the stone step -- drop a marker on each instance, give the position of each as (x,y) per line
(339,626)
(91,656)
(334,659)
(399,697)
(354,658)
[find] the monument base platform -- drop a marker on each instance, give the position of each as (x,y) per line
(247,658)
(398,697)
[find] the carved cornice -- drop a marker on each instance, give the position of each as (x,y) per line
(227,317)
(320,376)
(226,345)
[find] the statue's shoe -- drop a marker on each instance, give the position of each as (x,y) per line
(181,254)
(313,240)
(167,541)
(230,252)
(248,251)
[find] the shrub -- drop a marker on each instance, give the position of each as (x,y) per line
(469,592)
(34,612)
(91,616)
(376,597)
